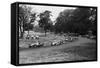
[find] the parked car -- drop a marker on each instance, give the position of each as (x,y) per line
(28,37)
(34,37)
(92,37)
(37,37)
(37,44)
(87,36)
(69,39)
(55,43)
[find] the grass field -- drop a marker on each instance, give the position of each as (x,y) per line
(82,49)
(23,43)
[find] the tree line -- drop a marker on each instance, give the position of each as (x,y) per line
(79,20)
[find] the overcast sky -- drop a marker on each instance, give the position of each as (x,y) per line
(54,10)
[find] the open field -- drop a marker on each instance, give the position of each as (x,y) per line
(81,49)
(46,40)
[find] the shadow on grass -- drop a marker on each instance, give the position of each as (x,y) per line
(88,50)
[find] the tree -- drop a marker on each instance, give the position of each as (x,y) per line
(31,20)
(93,19)
(26,17)
(83,19)
(75,21)
(62,21)
(23,18)
(45,20)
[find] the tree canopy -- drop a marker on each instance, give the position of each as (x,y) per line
(26,17)
(45,21)
(78,20)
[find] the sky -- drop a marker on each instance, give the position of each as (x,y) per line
(55,10)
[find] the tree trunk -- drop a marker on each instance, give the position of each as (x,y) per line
(45,32)
(21,32)
(28,31)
